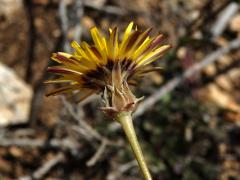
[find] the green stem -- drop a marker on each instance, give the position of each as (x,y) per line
(125,119)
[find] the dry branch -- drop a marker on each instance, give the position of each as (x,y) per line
(223,19)
(38,143)
(45,168)
(172,84)
(82,124)
(107,9)
(97,155)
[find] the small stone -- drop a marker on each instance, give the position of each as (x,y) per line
(224,82)
(87,22)
(221,98)
(210,70)
(235,23)
(224,61)
(234,74)
(16,152)
(181,53)
(9,7)
(15,98)
(156,78)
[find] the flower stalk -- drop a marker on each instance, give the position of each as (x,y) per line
(125,119)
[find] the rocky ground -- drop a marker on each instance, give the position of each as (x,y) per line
(188,123)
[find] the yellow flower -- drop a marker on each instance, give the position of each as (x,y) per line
(108,66)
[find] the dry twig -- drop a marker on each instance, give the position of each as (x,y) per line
(64,24)
(45,168)
(82,124)
(107,9)
(38,143)
(89,134)
(220,25)
(172,84)
(121,170)
(67,22)
(32,40)
(98,154)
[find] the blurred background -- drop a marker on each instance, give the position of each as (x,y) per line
(188,124)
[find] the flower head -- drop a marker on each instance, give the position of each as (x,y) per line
(108,66)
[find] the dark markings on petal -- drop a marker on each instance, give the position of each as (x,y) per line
(95,51)
(115,32)
(99,77)
(62,90)
(144,71)
(110,64)
(65,59)
(61,70)
(132,39)
(158,55)
(83,95)
(94,84)
(145,34)
(141,72)
(155,43)
(58,70)
(126,63)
